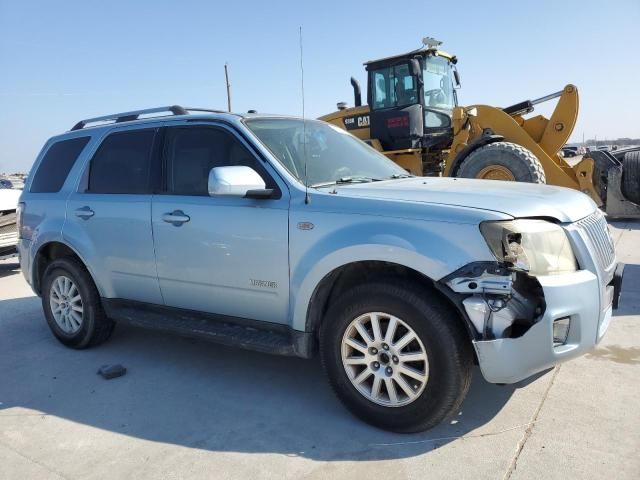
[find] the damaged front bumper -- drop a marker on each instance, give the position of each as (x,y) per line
(577,296)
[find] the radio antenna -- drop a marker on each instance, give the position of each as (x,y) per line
(304,122)
(226,76)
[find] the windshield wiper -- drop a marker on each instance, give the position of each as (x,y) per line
(353,179)
(349,179)
(401,175)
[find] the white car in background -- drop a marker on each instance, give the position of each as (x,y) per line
(8,229)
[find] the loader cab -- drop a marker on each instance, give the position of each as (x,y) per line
(411,98)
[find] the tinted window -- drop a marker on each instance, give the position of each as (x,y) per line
(393,87)
(56,164)
(192,152)
(122,164)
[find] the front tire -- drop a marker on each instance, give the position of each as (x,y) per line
(503,161)
(396,356)
(72,306)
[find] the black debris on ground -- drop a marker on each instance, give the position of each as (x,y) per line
(112,371)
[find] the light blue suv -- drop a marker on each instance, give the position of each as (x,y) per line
(291,237)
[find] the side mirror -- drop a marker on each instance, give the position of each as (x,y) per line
(416,70)
(237,181)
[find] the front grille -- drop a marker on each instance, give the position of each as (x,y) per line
(595,226)
(8,223)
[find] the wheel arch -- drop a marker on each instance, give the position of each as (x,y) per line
(348,275)
(48,252)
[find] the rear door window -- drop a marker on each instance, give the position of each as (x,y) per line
(56,165)
(122,164)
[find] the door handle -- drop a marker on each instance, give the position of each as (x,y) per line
(85,213)
(176,218)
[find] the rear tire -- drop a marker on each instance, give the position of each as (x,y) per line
(443,379)
(502,161)
(631,176)
(72,305)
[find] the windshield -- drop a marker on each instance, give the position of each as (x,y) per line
(438,91)
(333,155)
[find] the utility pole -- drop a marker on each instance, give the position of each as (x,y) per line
(226,76)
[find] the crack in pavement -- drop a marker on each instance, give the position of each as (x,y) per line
(529,429)
(459,437)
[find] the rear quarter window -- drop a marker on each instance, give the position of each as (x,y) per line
(56,165)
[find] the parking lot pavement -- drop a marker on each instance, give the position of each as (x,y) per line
(190,409)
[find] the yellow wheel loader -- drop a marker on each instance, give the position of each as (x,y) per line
(412,116)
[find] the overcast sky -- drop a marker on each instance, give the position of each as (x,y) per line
(67,60)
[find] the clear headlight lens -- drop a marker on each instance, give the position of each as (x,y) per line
(535,246)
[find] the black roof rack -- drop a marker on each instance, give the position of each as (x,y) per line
(135,115)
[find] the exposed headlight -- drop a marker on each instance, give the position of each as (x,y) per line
(535,246)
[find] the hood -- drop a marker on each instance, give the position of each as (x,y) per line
(511,198)
(9,198)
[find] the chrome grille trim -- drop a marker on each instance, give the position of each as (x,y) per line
(597,231)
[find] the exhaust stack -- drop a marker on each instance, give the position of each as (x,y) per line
(357,96)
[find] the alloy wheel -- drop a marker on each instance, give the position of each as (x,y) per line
(384,359)
(66,304)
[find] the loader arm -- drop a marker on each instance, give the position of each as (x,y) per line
(559,127)
(543,137)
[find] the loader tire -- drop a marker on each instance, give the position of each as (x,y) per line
(631,176)
(503,161)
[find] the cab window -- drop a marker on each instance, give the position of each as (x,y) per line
(393,86)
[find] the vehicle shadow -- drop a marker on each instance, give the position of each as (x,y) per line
(200,395)
(8,268)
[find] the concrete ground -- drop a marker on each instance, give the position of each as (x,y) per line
(189,409)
